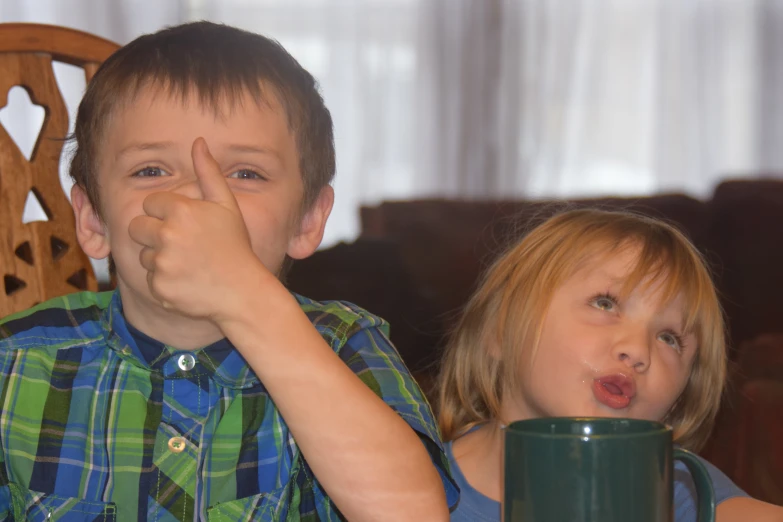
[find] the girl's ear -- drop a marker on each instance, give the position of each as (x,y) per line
(311,228)
(90,230)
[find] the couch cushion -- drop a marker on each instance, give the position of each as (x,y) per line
(748,228)
(760,359)
(759,454)
(371,274)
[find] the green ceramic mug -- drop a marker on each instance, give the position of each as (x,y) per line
(595,470)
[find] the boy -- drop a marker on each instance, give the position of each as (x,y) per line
(202,389)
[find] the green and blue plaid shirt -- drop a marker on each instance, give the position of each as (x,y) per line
(102,423)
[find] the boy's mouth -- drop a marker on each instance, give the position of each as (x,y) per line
(615,391)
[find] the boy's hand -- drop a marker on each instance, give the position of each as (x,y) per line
(193,248)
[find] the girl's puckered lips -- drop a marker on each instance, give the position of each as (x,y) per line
(614,390)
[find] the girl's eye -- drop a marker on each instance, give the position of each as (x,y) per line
(150,172)
(672,339)
(246,174)
(605,302)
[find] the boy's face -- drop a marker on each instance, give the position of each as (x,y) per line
(147,149)
(603,354)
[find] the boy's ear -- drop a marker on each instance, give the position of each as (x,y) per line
(311,227)
(90,230)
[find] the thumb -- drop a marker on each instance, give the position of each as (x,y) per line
(210,178)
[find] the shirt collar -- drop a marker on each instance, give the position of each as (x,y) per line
(219,361)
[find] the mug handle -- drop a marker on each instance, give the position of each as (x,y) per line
(703,484)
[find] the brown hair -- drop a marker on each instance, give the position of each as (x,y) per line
(507,311)
(217,63)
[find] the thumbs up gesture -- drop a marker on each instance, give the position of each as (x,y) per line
(195,251)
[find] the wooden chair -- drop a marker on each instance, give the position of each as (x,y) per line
(41,259)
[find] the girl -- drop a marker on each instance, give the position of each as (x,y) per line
(594,313)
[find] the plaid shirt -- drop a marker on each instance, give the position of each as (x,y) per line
(100,422)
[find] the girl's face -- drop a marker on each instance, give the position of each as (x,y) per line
(602,355)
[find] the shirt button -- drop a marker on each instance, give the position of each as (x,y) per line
(176,444)
(186,362)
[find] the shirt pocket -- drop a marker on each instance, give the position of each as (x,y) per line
(263,507)
(33,506)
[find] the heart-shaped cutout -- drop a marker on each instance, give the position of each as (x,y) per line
(35,208)
(22,120)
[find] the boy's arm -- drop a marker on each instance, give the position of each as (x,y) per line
(369,461)
(366,457)
(740,509)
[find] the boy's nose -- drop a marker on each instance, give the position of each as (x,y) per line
(190,189)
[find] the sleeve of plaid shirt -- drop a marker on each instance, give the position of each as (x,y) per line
(369,353)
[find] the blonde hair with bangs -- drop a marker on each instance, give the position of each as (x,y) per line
(502,320)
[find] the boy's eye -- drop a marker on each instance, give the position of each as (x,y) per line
(672,339)
(246,174)
(150,172)
(604,302)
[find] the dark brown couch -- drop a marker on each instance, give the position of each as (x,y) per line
(417,262)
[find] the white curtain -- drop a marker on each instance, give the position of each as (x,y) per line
(632,97)
(504,98)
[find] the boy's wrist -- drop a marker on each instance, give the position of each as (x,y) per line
(257,298)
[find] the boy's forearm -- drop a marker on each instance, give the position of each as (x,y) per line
(368,459)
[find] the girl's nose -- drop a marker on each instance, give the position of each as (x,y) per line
(634,350)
